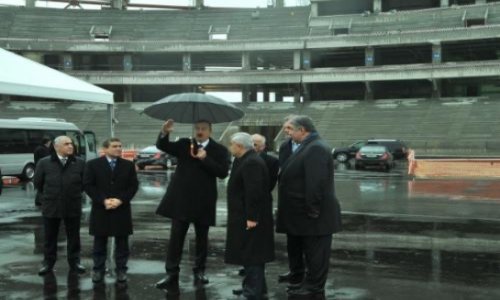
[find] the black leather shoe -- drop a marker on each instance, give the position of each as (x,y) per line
(200,278)
(290,277)
(77,268)
(238,292)
(169,282)
(121,276)
(241,272)
(304,293)
(44,270)
(97,276)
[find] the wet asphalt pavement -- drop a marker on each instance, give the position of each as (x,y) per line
(403,239)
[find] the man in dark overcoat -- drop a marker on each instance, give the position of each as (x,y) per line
(111,182)
(191,196)
(41,151)
(308,209)
(58,179)
(272,163)
(250,238)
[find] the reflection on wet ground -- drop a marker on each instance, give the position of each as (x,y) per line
(403,239)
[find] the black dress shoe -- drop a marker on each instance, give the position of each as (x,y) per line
(307,293)
(44,270)
(77,268)
(241,272)
(238,292)
(200,278)
(169,282)
(97,276)
(121,276)
(290,277)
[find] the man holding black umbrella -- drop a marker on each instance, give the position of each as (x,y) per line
(191,196)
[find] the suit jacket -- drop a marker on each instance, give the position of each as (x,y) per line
(40,152)
(192,192)
(273,168)
(100,182)
(60,187)
(285,151)
(307,205)
(249,198)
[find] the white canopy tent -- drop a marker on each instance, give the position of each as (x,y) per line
(23,77)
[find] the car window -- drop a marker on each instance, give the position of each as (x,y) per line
(373,149)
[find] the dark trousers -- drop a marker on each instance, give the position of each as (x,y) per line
(99,253)
(254,283)
(51,227)
(295,254)
(317,250)
(176,243)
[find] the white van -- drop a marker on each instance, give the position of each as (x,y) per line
(20,137)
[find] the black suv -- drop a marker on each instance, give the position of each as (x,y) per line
(398,149)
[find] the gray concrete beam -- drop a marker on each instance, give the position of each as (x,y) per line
(377,6)
(357,40)
(359,74)
(30,3)
(188,78)
(405,72)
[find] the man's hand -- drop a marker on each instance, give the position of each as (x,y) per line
(167,127)
(112,203)
(251,224)
(108,203)
(201,154)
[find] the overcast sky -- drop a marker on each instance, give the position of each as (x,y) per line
(235,3)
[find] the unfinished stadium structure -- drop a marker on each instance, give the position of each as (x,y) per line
(423,71)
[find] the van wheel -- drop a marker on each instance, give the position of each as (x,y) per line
(28,172)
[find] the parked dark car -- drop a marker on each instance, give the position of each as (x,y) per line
(397,148)
(152,156)
(374,156)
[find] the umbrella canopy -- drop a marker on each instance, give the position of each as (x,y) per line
(192,107)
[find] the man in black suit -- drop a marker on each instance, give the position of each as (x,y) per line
(296,264)
(58,178)
(250,239)
(111,182)
(272,163)
(191,196)
(40,152)
(308,210)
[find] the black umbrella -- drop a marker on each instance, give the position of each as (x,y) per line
(192,107)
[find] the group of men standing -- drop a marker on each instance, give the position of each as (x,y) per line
(110,181)
(308,212)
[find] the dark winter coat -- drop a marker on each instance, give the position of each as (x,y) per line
(307,205)
(60,187)
(100,183)
(273,168)
(248,198)
(192,192)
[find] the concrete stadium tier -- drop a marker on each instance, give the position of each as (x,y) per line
(449,126)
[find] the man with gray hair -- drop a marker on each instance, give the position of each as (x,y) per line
(250,238)
(59,179)
(308,211)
